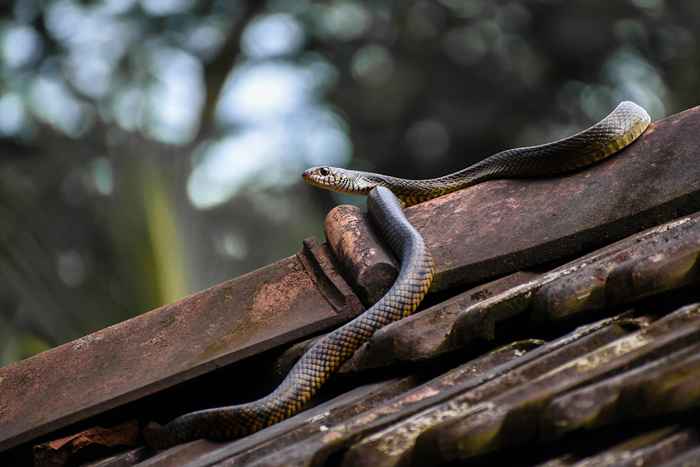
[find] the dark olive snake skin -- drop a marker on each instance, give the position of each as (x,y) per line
(625,124)
(327,355)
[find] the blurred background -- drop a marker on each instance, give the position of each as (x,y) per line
(152,148)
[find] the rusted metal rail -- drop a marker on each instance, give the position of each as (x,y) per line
(490,230)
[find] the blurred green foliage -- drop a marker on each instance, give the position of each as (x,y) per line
(151,148)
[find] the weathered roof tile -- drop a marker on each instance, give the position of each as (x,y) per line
(550,379)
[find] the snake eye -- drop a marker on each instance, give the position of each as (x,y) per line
(324,171)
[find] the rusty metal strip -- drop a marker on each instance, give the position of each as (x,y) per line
(272,306)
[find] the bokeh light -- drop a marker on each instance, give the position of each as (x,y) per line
(159,144)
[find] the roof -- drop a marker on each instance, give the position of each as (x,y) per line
(563,327)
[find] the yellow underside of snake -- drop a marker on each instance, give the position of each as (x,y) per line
(603,139)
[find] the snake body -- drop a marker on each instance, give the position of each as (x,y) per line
(622,126)
(327,355)
(603,139)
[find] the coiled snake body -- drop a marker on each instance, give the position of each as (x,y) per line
(327,355)
(614,132)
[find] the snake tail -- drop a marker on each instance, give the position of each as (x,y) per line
(620,128)
(327,355)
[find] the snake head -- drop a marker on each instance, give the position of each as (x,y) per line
(322,177)
(336,179)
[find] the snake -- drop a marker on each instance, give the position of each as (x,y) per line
(330,352)
(617,130)
(387,196)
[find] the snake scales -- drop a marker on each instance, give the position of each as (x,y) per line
(326,356)
(624,124)
(627,122)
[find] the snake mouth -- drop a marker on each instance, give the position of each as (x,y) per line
(328,178)
(311,177)
(308,175)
